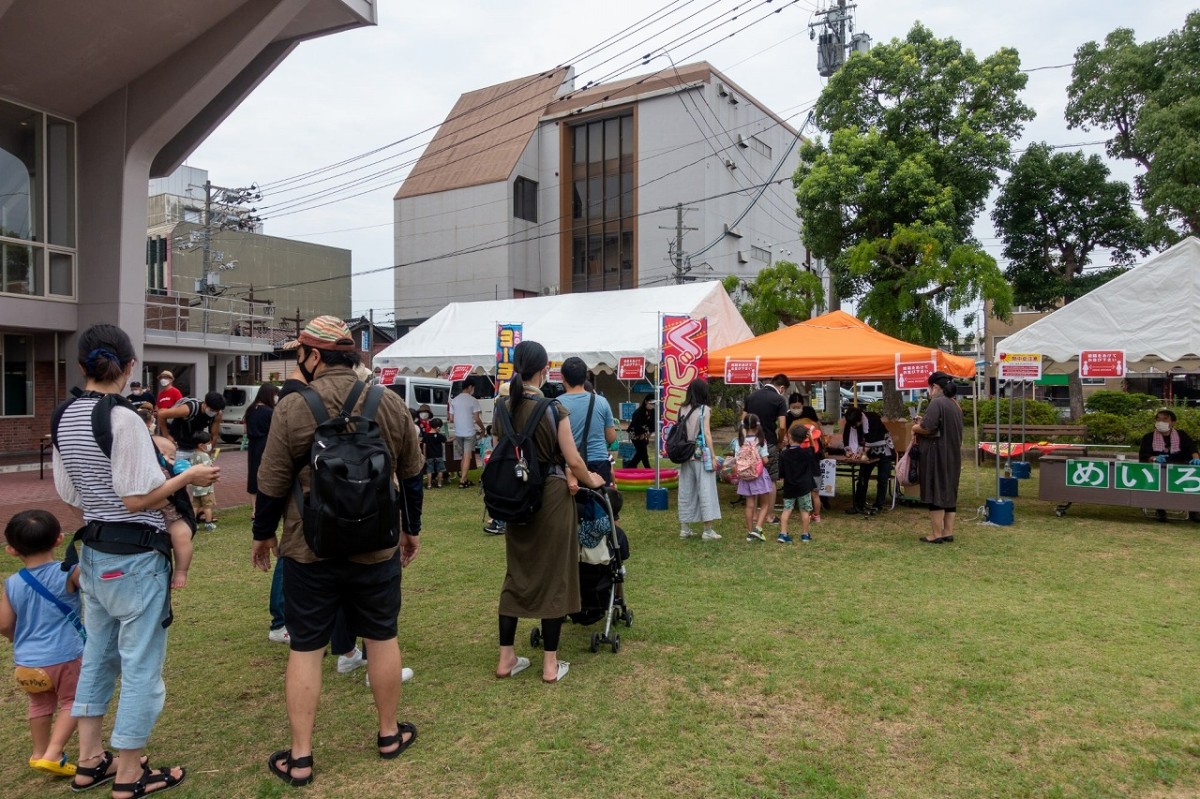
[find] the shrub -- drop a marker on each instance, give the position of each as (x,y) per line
(1106,428)
(1120,403)
(1036,412)
(723,417)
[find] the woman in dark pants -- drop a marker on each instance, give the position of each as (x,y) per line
(258,423)
(641,430)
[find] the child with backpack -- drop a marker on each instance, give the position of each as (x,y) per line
(39,613)
(754,480)
(799,466)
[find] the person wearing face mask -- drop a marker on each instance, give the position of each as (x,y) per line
(1166,444)
(939,441)
(641,430)
(168,395)
(424,418)
(183,420)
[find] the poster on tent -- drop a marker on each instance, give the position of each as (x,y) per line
(684,359)
(1102,363)
(459,372)
(741,372)
(913,374)
(507,337)
(1020,365)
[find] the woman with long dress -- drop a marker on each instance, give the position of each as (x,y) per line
(939,452)
(698,500)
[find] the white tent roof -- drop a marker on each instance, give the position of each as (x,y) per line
(1150,312)
(598,327)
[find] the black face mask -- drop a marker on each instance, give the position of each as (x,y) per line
(308,376)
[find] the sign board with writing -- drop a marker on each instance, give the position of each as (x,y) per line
(555,373)
(1139,476)
(459,372)
(507,337)
(1020,365)
(913,375)
(387,375)
(1102,363)
(828,487)
(685,358)
(632,367)
(1083,473)
(741,372)
(1183,479)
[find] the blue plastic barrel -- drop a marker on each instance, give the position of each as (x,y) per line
(1022,470)
(1008,486)
(1000,511)
(657,499)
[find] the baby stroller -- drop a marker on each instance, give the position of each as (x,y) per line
(602,578)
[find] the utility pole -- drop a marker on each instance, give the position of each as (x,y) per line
(223,210)
(679,260)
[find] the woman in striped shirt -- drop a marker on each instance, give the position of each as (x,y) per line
(105,465)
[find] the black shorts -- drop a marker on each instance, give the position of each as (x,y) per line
(368,593)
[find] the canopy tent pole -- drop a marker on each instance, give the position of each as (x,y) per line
(997,398)
(1024,389)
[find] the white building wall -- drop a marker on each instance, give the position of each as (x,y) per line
(533,256)
(433,225)
(702,125)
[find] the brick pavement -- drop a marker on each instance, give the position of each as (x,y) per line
(23,490)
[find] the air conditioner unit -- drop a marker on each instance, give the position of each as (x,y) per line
(741,141)
(742,257)
(730,163)
(732,231)
(721,90)
(549,291)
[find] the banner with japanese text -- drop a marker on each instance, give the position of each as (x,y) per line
(684,359)
(507,337)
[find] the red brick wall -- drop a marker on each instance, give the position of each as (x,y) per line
(22,433)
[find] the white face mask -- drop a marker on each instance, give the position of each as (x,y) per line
(164,383)
(1162,427)
(210,413)
(424,415)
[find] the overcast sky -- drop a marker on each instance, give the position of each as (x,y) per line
(347,94)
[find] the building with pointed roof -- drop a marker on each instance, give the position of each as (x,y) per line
(538,186)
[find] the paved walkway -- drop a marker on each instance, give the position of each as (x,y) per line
(23,490)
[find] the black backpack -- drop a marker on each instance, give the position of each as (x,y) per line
(513,480)
(351,505)
(680,449)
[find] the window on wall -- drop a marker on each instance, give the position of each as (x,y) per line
(37,203)
(16,363)
(525,192)
(602,221)
(760,254)
(759,146)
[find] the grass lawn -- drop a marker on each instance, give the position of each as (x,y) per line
(1052,658)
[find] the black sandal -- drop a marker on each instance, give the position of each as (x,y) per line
(387,740)
(98,773)
(160,776)
(285,774)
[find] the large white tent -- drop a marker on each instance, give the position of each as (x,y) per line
(1150,312)
(599,327)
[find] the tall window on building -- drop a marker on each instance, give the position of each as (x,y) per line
(525,197)
(602,221)
(16,363)
(37,203)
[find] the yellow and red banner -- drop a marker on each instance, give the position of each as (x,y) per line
(685,358)
(507,337)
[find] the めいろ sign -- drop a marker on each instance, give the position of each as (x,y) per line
(1088,474)
(1139,476)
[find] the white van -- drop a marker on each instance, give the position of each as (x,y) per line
(233,418)
(417,391)
(870,392)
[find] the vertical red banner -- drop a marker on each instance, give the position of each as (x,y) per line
(684,359)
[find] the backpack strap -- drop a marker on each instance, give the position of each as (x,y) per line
(101,420)
(371,403)
(40,589)
(587,427)
(352,399)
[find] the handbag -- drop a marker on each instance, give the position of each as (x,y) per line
(908,470)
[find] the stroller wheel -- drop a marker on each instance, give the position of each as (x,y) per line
(616,644)
(535,637)
(596,642)
(628,617)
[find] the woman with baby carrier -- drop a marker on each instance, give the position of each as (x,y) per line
(542,556)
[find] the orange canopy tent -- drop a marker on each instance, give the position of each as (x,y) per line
(834,346)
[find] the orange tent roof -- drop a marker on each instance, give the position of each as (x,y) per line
(834,346)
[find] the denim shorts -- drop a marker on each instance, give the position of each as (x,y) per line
(435,466)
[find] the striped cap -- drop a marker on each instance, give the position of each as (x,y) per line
(325,333)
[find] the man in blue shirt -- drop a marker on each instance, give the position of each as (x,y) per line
(603,429)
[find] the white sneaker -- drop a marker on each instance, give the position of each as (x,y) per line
(711,535)
(348,663)
(279,636)
(406,674)
(686,533)
(755,535)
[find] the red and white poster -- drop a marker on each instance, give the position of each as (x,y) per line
(1020,365)
(741,371)
(459,372)
(554,375)
(387,375)
(632,367)
(913,374)
(685,358)
(1102,363)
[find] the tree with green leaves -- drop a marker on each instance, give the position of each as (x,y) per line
(918,131)
(781,294)
(1148,96)
(1054,211)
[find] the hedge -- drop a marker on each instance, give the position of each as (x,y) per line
(1036,412)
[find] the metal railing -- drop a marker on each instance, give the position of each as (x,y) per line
(184,315)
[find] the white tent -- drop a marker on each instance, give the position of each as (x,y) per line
(598,327)
(1150,312)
